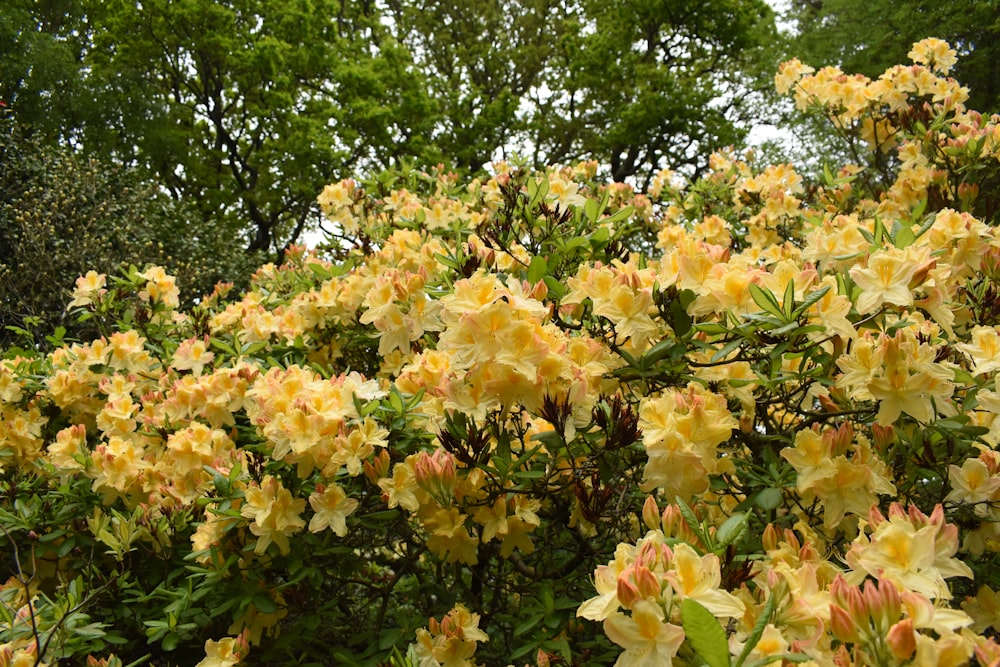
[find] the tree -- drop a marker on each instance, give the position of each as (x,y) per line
(246,109)
(62,215)
(41,73)
(647,83)
(242,109)
(481,61)
(868,36)
(634,85)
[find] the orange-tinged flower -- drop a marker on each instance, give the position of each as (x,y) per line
(450,642)
(332,507)
(226,652)
(88,288)
(913,551)
(886,278)
(648,640)
(193,355)
(275,514)
(699,578)
(983,351)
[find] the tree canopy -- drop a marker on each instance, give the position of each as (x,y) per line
(244,109)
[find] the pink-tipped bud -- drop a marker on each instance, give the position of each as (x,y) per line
(435,474)
(885,437)
(875,516)
(857,606)
(628,593)
(890,600)
(902,639)
(651,513)
(378,467)
(967,194)
(839,590)
(841,439)
(843,626)
(770,538)
(671,520)
(875,602)
(647,583)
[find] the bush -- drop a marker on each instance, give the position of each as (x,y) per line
(736,421)
(62,214)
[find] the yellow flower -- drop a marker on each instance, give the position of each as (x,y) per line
(935,53)
(699,578)
(647,639)
(192,355)
(88,288)
(886,278)
(913,551)
(226,652)
(274,512)
(448,537)
(332,507)
(450,642)
(984,350)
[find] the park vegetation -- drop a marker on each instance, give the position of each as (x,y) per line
(543,417)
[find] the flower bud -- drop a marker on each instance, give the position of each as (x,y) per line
(770,538)
(651,513)
(628,593)
(885,437)
(843,626)
(378,467)
(902,639)
(647,583)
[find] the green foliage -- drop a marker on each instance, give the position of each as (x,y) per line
(62,215)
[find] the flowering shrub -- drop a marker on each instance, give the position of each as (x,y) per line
(544,419)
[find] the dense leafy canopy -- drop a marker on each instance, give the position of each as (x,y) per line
(244,109)
(62,214)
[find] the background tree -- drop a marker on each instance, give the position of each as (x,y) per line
(643,84)
(634,85)
(245,109)
(869,36)
(62,215)
(481,61)
(41,73)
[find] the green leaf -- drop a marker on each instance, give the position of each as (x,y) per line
(904,237)
(537,270)
(620,214)
(769,499)
(600,236)
(692,521)
(171,641)
(264,603)
(788,303)
(810,299)
(680,320)
(556,288)
(732,529)
(527,624)
(758,629)
(767,301)
(707,636)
